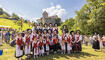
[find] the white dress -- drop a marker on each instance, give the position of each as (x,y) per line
(63,46)
(101,45)
(18,52)
(27,49)
(41,51)
(36,48)
(68,46)
(47,47)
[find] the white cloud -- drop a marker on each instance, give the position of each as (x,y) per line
(34,19)
(0,6)
(55,10)
(58,6)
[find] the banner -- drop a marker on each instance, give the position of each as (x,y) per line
(1,52)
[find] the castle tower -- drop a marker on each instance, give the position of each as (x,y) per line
(45,14)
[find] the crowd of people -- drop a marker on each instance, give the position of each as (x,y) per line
(98,42)
(43,40)
(6,34)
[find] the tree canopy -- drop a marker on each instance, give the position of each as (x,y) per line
(89,19)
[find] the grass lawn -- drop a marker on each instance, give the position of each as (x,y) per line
(12,23)
(87,54)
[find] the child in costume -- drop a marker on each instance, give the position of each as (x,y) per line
(55,40)
(27,42)
(69,45)
(19,46)
(47,45)
(35,46)
(41,46)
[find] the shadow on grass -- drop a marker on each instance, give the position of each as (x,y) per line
(65,56)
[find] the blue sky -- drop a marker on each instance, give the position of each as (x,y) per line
(33,9)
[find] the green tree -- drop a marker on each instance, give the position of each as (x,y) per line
(15,16)
(90,18)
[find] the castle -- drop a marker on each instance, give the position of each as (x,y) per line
(47,19)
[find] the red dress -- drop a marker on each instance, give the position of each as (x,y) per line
(55,41)
(19,42)
(79,48)
(35,46)
(74,44)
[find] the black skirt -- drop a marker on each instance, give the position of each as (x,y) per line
(95,44)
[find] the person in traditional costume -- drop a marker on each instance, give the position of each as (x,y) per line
(50,27)
(65,29)
(95,43)
(40,27)
(69,45)
(78,39)
(45,38)
(47,45)
(73,41)
(58,40)
(39,34)
(56,28)
(65,38)
(45,27)
(19,46)
(27,42)
(41,46)
(34,36)
(100,42)
(35,46)
(50,35)
(62,43)
(55,40)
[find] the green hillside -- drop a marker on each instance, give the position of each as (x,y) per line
(13,24)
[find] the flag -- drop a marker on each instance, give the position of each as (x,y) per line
(1,52)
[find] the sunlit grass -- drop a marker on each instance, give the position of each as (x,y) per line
(7,22)
(87,54)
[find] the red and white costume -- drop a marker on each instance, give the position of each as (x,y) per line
(41,49)
(45,37)
(78,42)
(69,46)
(78,38)
(27,40)
(47,45)
(63,40)
(19,50)
(56,29)
(35,46)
